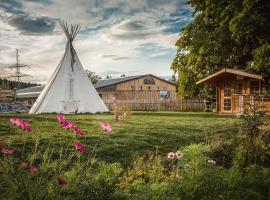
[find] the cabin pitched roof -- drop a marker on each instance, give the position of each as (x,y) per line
(228,71)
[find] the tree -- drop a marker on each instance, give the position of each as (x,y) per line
(93,76)
(123,76)
(224,33)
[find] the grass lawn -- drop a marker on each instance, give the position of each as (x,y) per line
(144,132)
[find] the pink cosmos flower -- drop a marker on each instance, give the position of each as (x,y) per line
(61,118)
(24,165)
(61,181)
(68,125)
(212,162)
(80,146)
(12,120)
(7,151)
(25,126)
(78,131)
(106,127)
(170,155)
(34,169)
(15,121)
(178,154)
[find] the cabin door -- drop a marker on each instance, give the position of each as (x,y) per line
(226,98)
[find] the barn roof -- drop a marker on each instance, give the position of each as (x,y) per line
(29,92)
(226,71)
(107,82)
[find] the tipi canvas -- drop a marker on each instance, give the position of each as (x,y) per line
(69,90)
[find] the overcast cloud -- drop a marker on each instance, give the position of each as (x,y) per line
(131,37)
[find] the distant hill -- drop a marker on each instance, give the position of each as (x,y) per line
(10,85)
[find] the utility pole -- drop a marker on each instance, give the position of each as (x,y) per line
(18,73)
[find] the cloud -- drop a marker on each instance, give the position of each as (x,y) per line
(32,25)
(115,57)
(131,30)
(116,35)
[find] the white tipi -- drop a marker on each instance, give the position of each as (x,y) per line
(69,90)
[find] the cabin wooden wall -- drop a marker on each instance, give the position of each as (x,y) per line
(238,101)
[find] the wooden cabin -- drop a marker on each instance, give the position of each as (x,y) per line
(137,89)
(235,89)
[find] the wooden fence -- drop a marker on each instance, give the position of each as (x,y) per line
(181,105)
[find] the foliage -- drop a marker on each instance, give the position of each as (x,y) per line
(8,84)
(93,76)
(223,34)
(254,134)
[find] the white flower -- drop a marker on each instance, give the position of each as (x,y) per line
(170,155)
(212,162)
(178,154)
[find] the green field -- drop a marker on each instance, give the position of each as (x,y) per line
(144,132)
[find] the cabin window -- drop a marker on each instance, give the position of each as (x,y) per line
(227,90)
(255,87)
(149,87)
(132,87)
(141,88)
(157,87)
(227,104)
(266,89)
(100,95)
(238,88)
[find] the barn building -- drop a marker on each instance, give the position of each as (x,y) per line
(137,89)
(236,89)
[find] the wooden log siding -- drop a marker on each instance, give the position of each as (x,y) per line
(181,105)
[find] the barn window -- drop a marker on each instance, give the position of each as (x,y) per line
(149,81)
(164,94)
(227,104)
(227,90)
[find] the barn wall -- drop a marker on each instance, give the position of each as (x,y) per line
(137,91)
(137,83)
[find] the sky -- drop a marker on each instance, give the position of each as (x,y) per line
(117,37)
